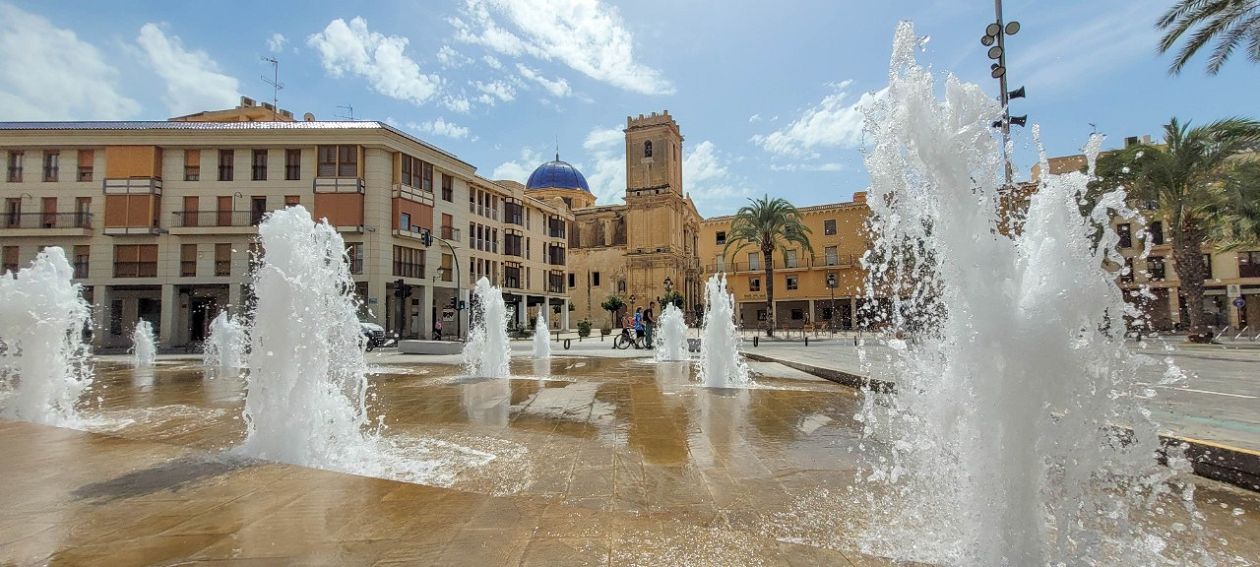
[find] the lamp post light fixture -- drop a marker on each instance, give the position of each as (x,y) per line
(995,39)
(831,285)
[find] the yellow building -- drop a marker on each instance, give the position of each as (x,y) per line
(801,287)
(160,217)
(637,250)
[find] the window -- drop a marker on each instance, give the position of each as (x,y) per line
(259,171)
(1156,231)
(338,161)
(595,278)
(192,165)
(1126,235)
(721,237)
(448,188)
(408,262)
(257,208)
(15,166)
(754,260)
(1155,267)
(81,258)
(754,284)
(292,165)
(426,176)
(225,164)
(52,161)
(829,227)
(719,264)
(10,260)
(798,314)
(1207,266)
(12,212)
(222,259)
(292,200)
(354,252)
(1127,275)
(404,221)
(831,255)
(83,212)
(647,148)
(187,260)
(792,282)
(572,279)
(87,159)
(789,258)
(135,260)
(1249,264)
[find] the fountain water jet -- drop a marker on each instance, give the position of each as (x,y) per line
(488,352)
(720,364)
(42,318)
(999,437)
(225,347)
(542,347)
(671,337)
(307,386)
(143,345)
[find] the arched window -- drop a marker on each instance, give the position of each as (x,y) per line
(647,148)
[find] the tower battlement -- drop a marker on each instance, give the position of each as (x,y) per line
(653,119)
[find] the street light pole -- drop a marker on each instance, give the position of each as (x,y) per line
(995,33)
(459,324)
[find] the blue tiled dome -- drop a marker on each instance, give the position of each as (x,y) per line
(557,174)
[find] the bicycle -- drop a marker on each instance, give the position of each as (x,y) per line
(627,339)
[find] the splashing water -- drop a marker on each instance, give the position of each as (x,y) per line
(143,345)
(42,354)
(720,364)
(671,337)
(542,347)
(225,347)
(488,352)
(999,442)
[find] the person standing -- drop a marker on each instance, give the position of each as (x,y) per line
(638,325)
(649,323)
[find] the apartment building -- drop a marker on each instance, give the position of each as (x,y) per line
(824,287)
(160,217)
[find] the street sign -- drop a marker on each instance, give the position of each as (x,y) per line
(448,314)
(1240,302)
(1233,290)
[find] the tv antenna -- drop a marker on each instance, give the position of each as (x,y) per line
(349,108)
(275,83)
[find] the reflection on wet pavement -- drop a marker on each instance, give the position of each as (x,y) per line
(599,461)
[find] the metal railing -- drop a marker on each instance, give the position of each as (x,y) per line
(449,233)
(189,219)
(841,261)
(46,220)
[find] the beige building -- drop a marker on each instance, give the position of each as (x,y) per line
(159,217)
(638,250)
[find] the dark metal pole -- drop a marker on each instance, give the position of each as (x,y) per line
(1004,96)
(459,326)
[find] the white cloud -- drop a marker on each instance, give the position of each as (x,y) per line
(754,118)
(193,80)
(1067,60)
(519,170)
(276,42)
(606,175)
(352,48)
(827,166)
(459,104)
(557,87)
(48,73)
(451,59)
(707,177)
(835,122)
(440,127)
(495,91)
(586,35)
(492,61)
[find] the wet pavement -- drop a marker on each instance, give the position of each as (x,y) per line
(599,462)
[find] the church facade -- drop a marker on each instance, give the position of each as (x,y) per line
(639,250)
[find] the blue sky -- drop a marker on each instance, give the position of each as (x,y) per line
(766,93)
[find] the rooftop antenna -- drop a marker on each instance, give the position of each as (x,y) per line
(349,108)
(275,83)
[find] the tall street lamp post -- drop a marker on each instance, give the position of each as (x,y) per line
(995,39)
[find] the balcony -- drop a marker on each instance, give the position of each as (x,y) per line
(133,186)
(215,222)
(450,233)
(135,269)
(408,270)
(414,232)
(46,224)
(338,185)
(415,194)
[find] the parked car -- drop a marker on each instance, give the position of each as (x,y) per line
(375,334)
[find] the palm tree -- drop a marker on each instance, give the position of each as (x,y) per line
(767,224)
(1201,189)
(1228,22)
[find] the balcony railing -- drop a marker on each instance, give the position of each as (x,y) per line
(46,220)
(135,269)
(338,185)
(408,270)
(133,185)
(80,269)
(450,233)
(841,261)
(189,219)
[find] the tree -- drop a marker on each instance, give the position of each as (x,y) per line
(612,305)
(768,225)
(672,296)
(1228,22)
(1201,189)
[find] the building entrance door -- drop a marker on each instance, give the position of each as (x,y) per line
(199,318)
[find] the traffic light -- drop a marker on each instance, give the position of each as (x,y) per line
(463,305)
(426,237)
(400,289)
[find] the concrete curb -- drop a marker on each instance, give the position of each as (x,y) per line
(1231,465)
